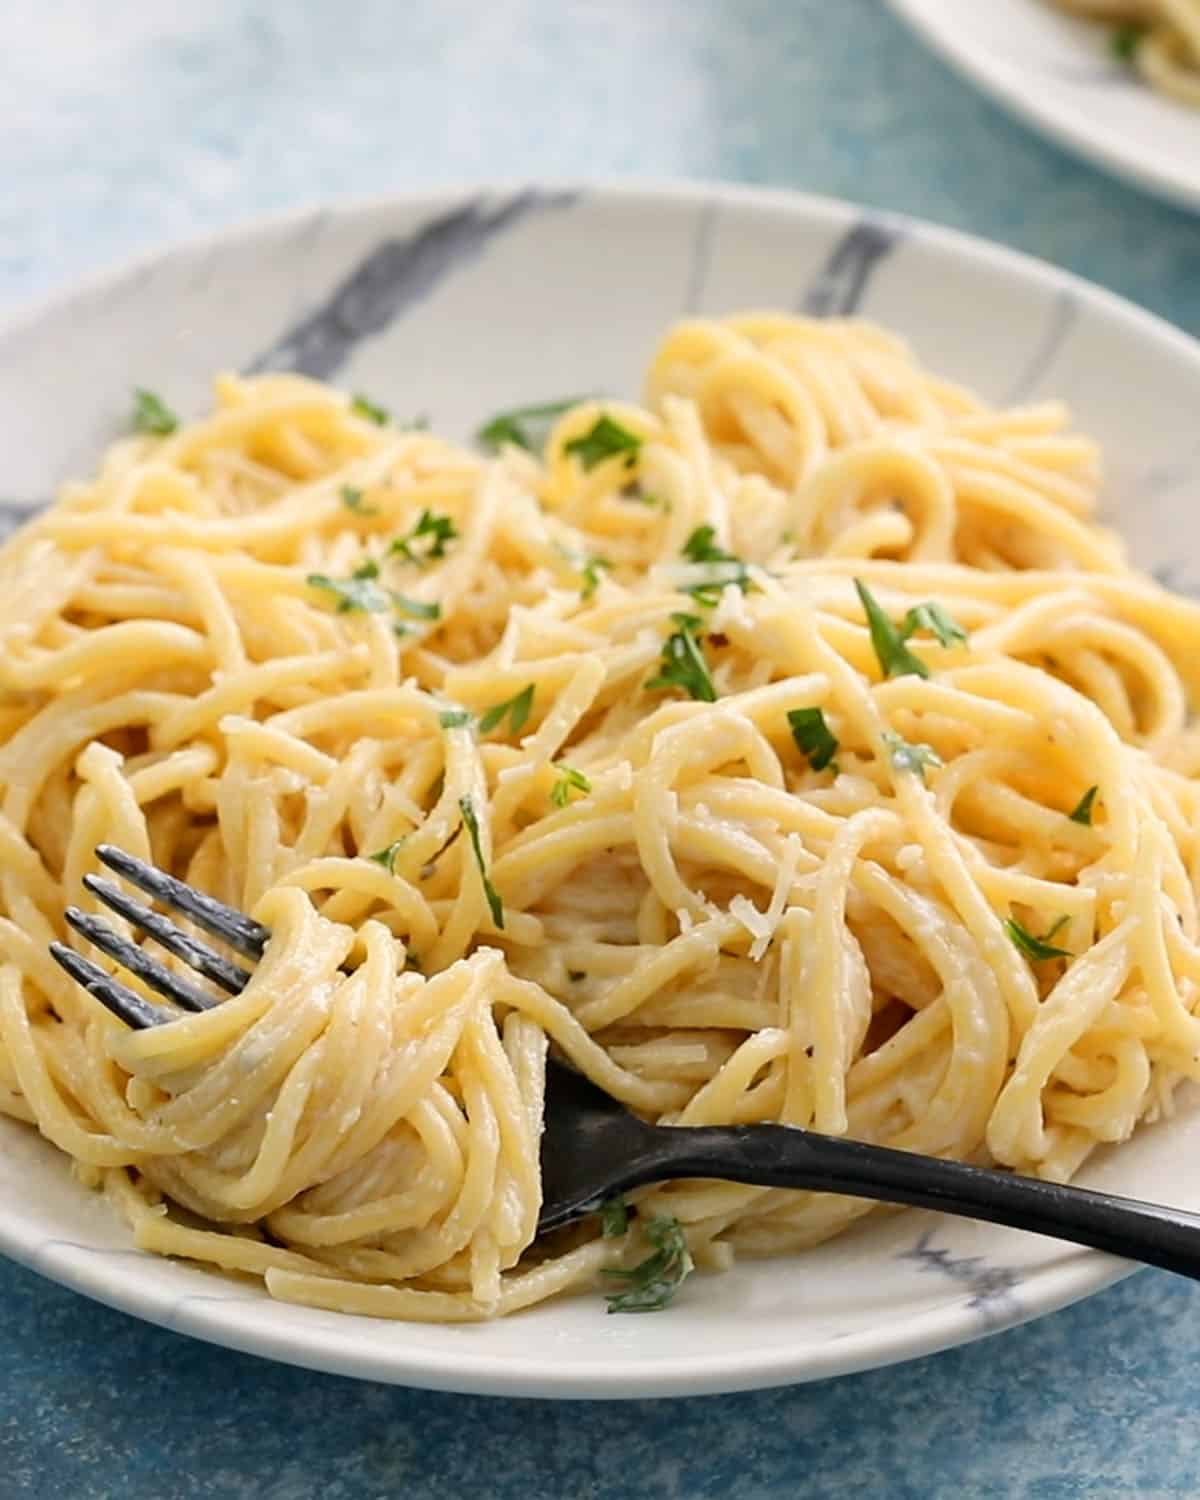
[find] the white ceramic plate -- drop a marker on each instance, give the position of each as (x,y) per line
(1059,73)
(458,303)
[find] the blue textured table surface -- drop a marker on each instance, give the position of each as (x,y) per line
(130,124)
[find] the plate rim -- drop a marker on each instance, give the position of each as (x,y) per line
(464,1372)
(1062,129)
(1071,1277)
(633,190)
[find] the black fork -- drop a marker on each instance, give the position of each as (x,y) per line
(239,931)
(593,1147)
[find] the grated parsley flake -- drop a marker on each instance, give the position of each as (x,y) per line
(889,640)
(525,426)
(813,737)
(1035,947)
(569,780)
(614,1218)
(516,709)
(1082,811)
(908,757)
(427,539)
(605,439)
(151,414)
(352,499)
(362,406)
(683,664)
(651,1285)
(387,857)
(495,905)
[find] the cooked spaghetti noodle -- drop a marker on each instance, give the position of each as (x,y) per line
(1161,37)
(596,750)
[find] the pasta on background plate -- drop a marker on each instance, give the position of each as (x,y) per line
(793,747)
(1161,38)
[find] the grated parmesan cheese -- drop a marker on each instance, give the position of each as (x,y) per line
(761,925)
(731,610)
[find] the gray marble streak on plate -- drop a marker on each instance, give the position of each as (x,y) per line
(1063,313)
(840,288)
(395,275)
(991,1288)
(14,513)
(701,256)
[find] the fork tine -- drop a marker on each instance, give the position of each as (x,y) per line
(131,957)
(241,932)
(197,955)
(124,1003)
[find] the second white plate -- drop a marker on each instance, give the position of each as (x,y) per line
(1060,75)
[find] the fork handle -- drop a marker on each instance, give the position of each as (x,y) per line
(784,1157)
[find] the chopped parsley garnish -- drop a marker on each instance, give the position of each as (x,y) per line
(1125,41)
(906,757)
(700,547)
(427,539)
(361,406)
(708,594)
(895,659)
(614,1218)
(454,718)
(605,439)
(1035,947)
(152,414)
(526,426)
(591,570)
(683,664)
(931,616)
(355,595)
(516,708)
(569,780)
(813,736)
(1082,811)
(387,857)
(495,905)
(352,499)
(651,1285)
(360,594)
(417,608)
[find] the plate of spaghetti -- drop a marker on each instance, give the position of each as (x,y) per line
(1118,81)
(740,646)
